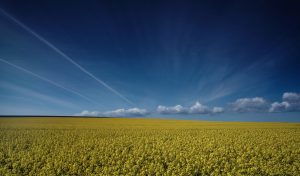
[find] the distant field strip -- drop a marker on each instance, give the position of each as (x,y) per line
(129,146)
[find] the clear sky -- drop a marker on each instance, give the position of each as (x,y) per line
(211,60)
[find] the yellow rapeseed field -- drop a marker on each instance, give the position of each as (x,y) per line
(128,146)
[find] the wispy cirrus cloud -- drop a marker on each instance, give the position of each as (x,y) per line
(228,79)
(64,55)
(48,81)
(37,95)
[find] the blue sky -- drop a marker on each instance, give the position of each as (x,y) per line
(212,60)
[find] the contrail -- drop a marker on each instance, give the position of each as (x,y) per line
(47,80)
(64,55)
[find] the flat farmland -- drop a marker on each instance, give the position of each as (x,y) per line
(132,146)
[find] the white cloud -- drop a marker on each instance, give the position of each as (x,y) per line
(88,113)
(291,97)
(127,112)
(217,110)
(116,113)
(279,107)
(178,109)
(197,108)
(249,104)
(291,102)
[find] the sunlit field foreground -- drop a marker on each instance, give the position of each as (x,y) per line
(115,146)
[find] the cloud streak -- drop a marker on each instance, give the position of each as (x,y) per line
(48,81)
(61,53)
(33,94)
